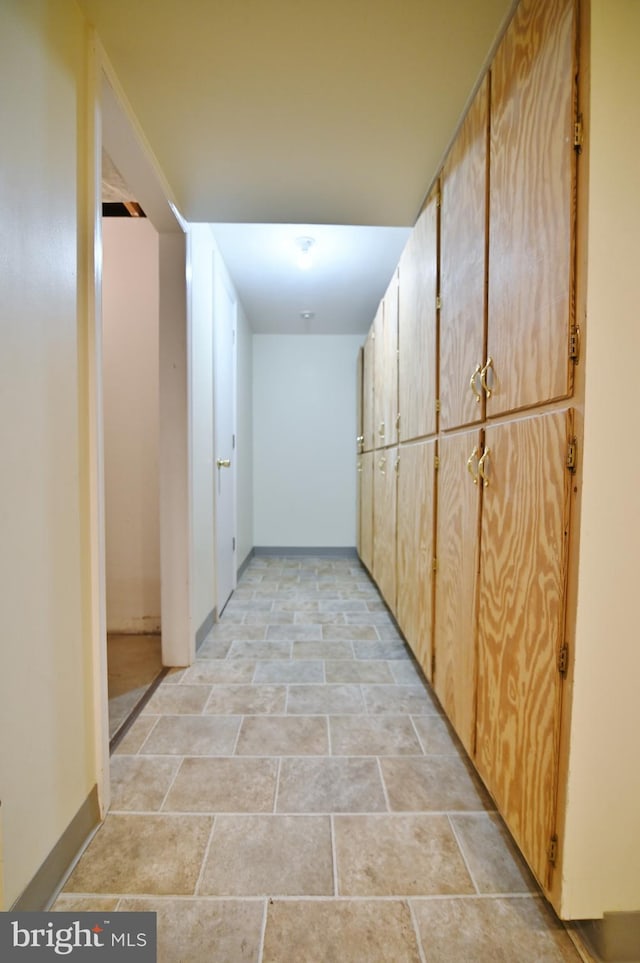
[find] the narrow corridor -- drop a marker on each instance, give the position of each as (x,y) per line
(296,796)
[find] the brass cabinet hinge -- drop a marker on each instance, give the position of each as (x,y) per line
(438,302)
(563,659)
(574,344)
(572,456)
(578,135)
(398,422)
(552,850)
(396,467)
(434,565)
(438,405)
(436,463)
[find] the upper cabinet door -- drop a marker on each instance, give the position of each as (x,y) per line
(368,412)
(463,240)
(379,426)
(531,207)
(417,327)
(390,349)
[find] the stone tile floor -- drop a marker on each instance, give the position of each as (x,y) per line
(297,796)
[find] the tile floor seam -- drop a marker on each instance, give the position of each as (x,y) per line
(463,854)
(416,930)
(144,742)
(420,742)
(175,776)
(237,740)
(263,929)
(276,788)
(384,785)
(205,857)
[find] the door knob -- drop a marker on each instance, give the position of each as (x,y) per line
(223,462)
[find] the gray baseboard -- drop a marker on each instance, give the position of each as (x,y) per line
(38,894)
(614,939)
(339,551)
(244,565)
(205,628)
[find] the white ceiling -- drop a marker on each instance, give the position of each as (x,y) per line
(295,112)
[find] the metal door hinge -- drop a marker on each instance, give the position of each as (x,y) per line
(398,422)
(572,456)
(574,344)
(233,441)
(396,467)
(552,850)
(234,544)
(436,463)
(578,135)
(438,405)
(434,565)
(438,302)
(563,659)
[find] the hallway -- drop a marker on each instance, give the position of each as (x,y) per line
(297,796)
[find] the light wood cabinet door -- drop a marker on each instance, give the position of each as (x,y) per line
(390,350)
(368,375)
(524,534)
(379,376)
(532,204)
(384,524)
(463,243)
(416,470)
(457,549)
(418,288)
(365,508)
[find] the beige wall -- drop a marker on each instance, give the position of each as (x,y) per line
(602,861)
(47,758)
(130,304)
(244,446)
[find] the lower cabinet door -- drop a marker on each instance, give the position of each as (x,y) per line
(384,523)
(524,536)
(415,548)
(456,581)
(365,508)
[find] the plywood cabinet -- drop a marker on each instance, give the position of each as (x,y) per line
(368,411)
(365,508)
(532,207)
(418,289)
(524,540)
(384,523)
(456,581)
(415,558)
(385,332)
(463,218)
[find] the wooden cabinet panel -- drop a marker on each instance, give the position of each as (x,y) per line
(384,524)
(463,240)
(532,201)
(368,410)
(524,536)
(456,580)
(365,508)
(417,327)
(390,350)
(379,375)
(415,548)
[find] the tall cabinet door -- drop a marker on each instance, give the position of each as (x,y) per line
(524,532)
(532,203)
(365,508)
(390,350)
(368,374)
(417,327)
(463,242)
(456,580)
(415,548)
(384,524)
(379,379)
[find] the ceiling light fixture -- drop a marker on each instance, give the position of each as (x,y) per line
(307,315)
(304,245)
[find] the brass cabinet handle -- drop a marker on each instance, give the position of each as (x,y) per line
(481,467)
(472,384)
(470,460)
(223,462)
(483,377)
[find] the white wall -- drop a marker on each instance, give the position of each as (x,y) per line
(47,756)
(244,441)
(602,861)
(130,302)
(304,423)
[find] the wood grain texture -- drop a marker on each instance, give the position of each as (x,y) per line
(463,239)
(384,524)
(417,327)
(456,579)
(368,375)
(379,375)
(532,203)
(390,327)
(415,548)
(365,514)
(524,537)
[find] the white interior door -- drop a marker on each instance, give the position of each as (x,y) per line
(224,441)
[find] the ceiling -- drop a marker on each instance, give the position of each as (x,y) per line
(297,113)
